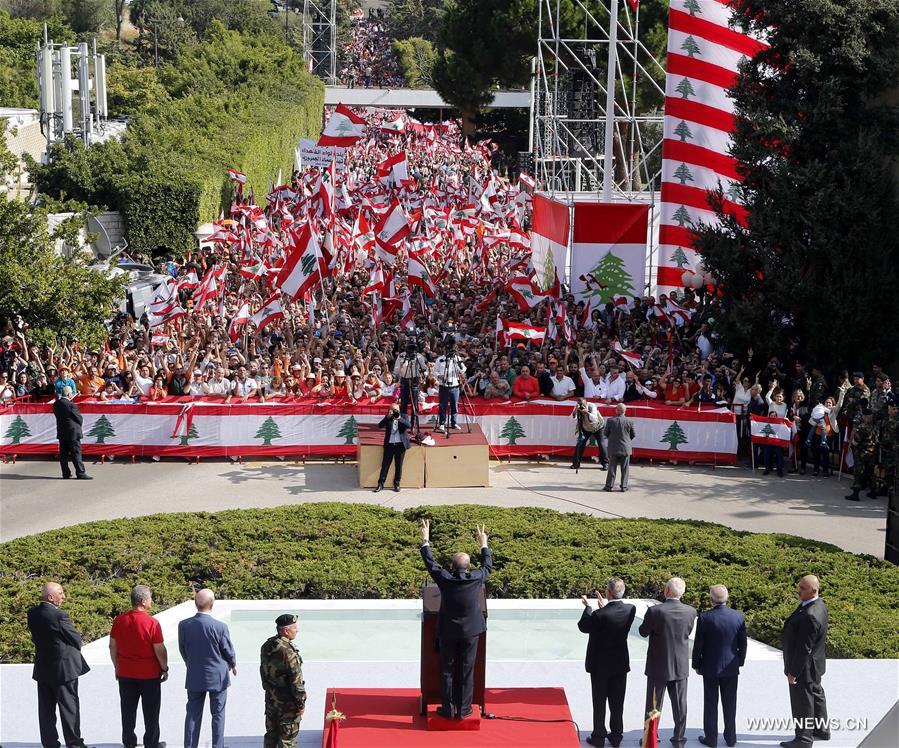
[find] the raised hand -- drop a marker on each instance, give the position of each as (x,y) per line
(482,535)
(425,528)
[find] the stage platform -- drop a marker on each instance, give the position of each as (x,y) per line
(461,460)
(389,718)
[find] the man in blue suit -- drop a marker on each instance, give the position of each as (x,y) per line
(719,651)
(206,649)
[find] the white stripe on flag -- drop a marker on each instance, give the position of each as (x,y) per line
(671,215)
(691,175)
(707,10)
(703,50)
(699,92)
(687,131)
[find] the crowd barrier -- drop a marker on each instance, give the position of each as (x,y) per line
(314,427)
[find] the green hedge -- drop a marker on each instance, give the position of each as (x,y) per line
(361,551)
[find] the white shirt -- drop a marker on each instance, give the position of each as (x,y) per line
(143,384)
(591,388)
(216,387)
(451,374)
(615,388)
(245,387)
(704,345)
(562,387)
(196,388)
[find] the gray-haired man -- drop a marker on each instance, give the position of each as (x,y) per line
(68,432)
(619,430)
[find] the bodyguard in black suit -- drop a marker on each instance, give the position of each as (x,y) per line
(460,621)
(668,627)
(804,641)
(57,666)
(719,651)
(396,442)
(68,432)
(608,660)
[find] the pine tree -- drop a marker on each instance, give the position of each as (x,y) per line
(512,431)
(685,88)
(679,258)
(684,174)
(17,429)
(192,433)
(674,435)
(693,7)
(768,431)
(611,274)
(682,216)
(690,47)
(102,430)
(683,131)
(268,431)
(349,430)
(549,270)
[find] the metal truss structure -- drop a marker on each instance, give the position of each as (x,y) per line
(320,38)
(586,131)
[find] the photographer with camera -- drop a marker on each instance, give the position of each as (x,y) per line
(450,373)
(589,422)
(396,442)
(409,369)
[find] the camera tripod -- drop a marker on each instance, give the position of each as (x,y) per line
(451,358)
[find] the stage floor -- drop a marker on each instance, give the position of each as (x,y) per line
(389,718)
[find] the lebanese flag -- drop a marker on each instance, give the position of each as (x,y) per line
(253,271)
(586,320)
(269,311)
(519,331)
(634,359)
(375,280)
(303,266)
(774,431)
(651,729)
(549,240)
(236,176)
(390,230)
(240,319)
(526,183)
(522,290)
(159,340)
(188,281)
(363,236)
(407,321)
(418,275)
(622,304)
(397,125)
(393,169)
(158,320)
(208,288)
(344,128)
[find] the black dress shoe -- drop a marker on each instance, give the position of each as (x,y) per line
(396,488)
(379,487)
(607,488)
(793,744)
(705,741)
(466,713)
(614,743)
(446,714)
(598,742)
(821,735)
(66,477)
(83,477)
(623,489)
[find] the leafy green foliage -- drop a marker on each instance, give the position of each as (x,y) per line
(415,18)
(416,57)
(362,551)
(817,145)
(18,84)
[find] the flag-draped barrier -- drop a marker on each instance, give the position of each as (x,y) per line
(314,427)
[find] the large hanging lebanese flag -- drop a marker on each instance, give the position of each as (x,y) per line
(703,57)
(301,270)
(608,254)
(549,240)
(344,128)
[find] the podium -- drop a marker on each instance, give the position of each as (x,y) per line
(430,652)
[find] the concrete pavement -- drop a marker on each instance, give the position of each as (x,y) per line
(34,499)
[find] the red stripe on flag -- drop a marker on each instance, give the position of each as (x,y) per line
(670,276)
(712,32)
(675,150)
(675,235)
(697,197)
(703,114)
(704,71)
(610,224)
(550,219)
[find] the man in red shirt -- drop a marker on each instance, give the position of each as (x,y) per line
(526,387)
(141,666)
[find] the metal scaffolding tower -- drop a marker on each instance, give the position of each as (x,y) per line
(320,38)
(586,131)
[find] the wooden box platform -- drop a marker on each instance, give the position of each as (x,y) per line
(371,451)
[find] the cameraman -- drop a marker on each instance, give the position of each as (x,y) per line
(408,370)
(589,427)
(396,442)
(450,373)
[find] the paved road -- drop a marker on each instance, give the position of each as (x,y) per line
(33,498)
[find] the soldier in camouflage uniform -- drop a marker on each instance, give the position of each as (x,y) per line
(865,447)
(817,391)
(889,441)
(281,669)
(852,402)
(880,396)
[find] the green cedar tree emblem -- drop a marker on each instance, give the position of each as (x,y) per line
(17,430)
(612,278)
(679,258)
(768,432)
(683,174)
(192,433)
(307,262)
(692,7)
(683,131)
(690,47)
(512,431)
(674,435)
(349,430)
(682,216)
(102,430)
(685,88)
(268,431)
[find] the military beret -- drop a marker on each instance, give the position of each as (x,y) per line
(857,375)
(867,412)
(285,619)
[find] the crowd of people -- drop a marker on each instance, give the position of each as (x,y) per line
(369,59)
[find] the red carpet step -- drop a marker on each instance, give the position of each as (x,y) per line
(442,724)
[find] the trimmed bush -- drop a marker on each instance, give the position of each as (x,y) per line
(360,551)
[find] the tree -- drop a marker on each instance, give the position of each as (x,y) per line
(119,9)
(192,433)
(683,131)
(683,174)
(512,431)
(416,58)
(102,430)
(18,36)
(268,431)
(349,430)
(87,16)
(679,258)
(549,270)
(415,18)
(674,435)
(815,142)
(682,216)
(693,7)
(685,88)
(690,47)
(17,430)
(612,277)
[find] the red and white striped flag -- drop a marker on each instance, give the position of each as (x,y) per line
(634,359)
(344,128)
(520,331)
(393,169)
(390,230)
(396,125)
(236,176)
(238,321)
(268,312)
(769,430)
(158,320)
(303,266)
(418,275)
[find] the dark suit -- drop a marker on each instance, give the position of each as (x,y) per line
(208,653)
(57,666)
(719,652)
(68,432)
(619,430)
(394,451)
(460,624)
(608,662)
(804,640)
(668,627)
